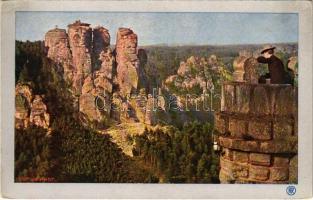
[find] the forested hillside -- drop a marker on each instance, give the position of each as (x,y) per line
(71,152)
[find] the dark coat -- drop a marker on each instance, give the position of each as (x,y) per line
(276,69)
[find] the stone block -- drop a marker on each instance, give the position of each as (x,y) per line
(293,170)
(287,145)
(260,101)
(282,129)
(259,130)
(279,173)
(242,98)
(258,173)
(279,161)
(239,144)
(285,101)
(237,128)
(219,124)
(260,159)
(239,156)
(234,169)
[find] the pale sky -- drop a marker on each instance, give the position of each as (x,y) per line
(171,28)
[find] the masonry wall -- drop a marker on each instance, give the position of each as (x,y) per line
(257,130)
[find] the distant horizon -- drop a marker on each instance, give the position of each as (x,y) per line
(171,29)
(178,45)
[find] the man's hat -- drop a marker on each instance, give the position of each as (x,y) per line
(267,48)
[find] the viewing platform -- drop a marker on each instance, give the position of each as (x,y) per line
(257,130)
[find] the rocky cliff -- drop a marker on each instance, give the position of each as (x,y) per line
(30,108)
(99,75)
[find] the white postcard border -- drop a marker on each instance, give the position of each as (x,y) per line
(98,190)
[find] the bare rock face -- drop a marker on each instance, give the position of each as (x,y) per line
(23,99)
(103,77)
(38,114)
(30,108)
(97,87)
(80,40)
(56,40)
(101,40)
(86,56)
(127,61)
(94,102)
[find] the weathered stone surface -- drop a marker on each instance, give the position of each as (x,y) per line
(30,108)
(88,85)
(260,159)
(279,173)
(56,41)
(243,98)
(80,40)
(237,128)
(250,67)
(233,169)
(279,161)
(260,101)
(258,172)
(259,130)
(288,145)
(285,101)
(271,138)
(127,60)
(38,114)
(101,40)
(23,99)
(94,107)
(282,129)
(239,144)
(293,170)
(239,156)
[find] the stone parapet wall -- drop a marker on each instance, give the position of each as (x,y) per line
(258,133)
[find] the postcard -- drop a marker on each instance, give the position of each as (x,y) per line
(156,99)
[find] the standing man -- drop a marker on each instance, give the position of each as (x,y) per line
(277,72)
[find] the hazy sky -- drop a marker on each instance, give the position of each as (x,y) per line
(170,28)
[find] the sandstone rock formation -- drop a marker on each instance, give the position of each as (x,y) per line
(23,99)
(80,40)
(94,69)
(38,113)
(257,129)
(56,40)
(30,108)
(127,61)
(195,72)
